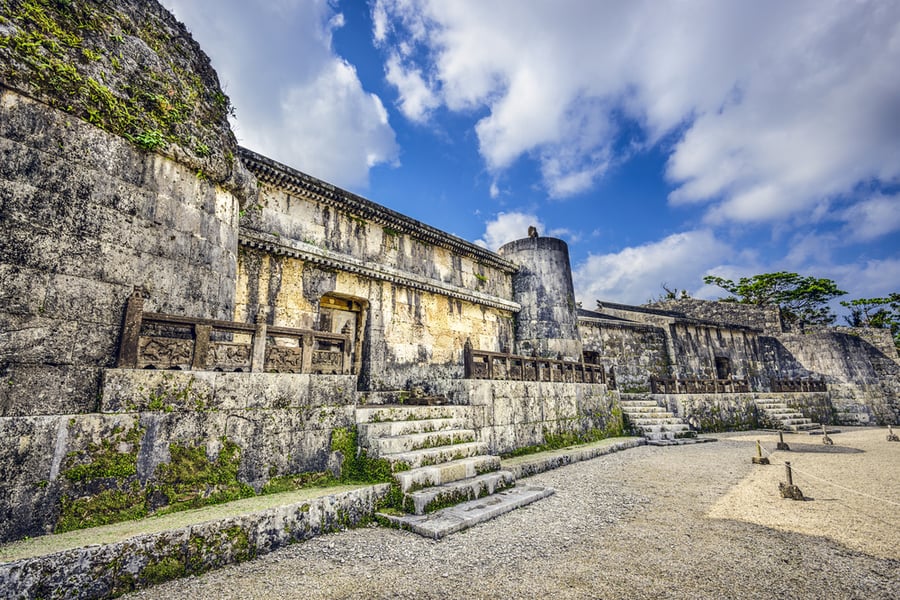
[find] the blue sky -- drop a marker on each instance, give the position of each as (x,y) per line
(662,140)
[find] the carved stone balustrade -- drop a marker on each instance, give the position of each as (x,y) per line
(799,385)
(482,364)
(161,341)
(660,385)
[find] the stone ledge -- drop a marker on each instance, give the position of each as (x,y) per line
(120,563)
(525,466)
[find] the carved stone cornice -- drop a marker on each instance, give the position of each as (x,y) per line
(306,186)
(343,262)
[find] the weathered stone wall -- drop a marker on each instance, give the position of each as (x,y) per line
(864,382)
(410,336)
(696,348)
(86,216)
(100,571)
(546,325)
(729,412)
(881,339)
(636,352)
(766,319)
(241,429)
(514,414)
(421,292)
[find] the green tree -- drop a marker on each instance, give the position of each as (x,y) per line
(801,300)
(876,313)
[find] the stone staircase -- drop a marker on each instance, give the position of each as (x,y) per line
(658,426)
(445,476)
(780,416)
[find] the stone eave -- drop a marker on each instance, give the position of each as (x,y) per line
(282,176)
(342,262)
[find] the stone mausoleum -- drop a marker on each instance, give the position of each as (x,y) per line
(173,300)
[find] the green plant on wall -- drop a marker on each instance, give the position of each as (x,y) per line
(72,55)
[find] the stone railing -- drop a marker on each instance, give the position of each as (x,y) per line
(659,385)
(161,341)
(482,364)
(799,385)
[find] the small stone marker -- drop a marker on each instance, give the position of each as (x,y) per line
(789,490)
(891,436)
(825,439)
(782,445)
(759,459)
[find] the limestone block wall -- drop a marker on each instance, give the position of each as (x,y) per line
(864,382)
(221,433)
(547,324)
(766,319)
(420,292)
(296,207)
(730,412)
(514,414)
(410,336)
(635,351)
(85,216)
(698,346)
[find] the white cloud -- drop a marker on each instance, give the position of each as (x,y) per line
(508,227)
(776,105)
(866,279)
(416,98)
(296,101)
(635,274)
(877,216)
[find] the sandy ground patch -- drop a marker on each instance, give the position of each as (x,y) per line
(853,488)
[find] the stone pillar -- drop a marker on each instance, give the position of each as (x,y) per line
(547,325)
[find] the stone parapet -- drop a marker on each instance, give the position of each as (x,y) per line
(110,569)
(67,471)
(509,415)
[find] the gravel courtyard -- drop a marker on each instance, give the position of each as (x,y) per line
(695,521)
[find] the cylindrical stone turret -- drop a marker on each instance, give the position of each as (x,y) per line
(547,325)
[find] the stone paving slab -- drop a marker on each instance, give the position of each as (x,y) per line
(462,516)
(532,464)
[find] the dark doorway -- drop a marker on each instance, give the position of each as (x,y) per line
(723,367)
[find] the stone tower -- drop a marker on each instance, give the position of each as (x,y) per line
(547,325)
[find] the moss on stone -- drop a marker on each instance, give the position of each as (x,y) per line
(356,465)
(127,67)
(191,480)
(108,506)
(165,569)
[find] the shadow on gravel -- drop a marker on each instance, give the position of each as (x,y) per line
(823,449)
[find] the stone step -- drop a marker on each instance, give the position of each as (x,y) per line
(795,421)
(400,412)
(663,420)
(433,498)
(674,428)
(780,411)
(368,431)
(417,441)
(637,404)
(462,516)
(447,472)
(811,427)
(643,410)
(680,441)
(404,397)
(437,456)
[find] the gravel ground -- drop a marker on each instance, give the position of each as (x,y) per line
(680,522)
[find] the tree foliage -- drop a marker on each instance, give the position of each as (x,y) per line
(801,300)
(875,313)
